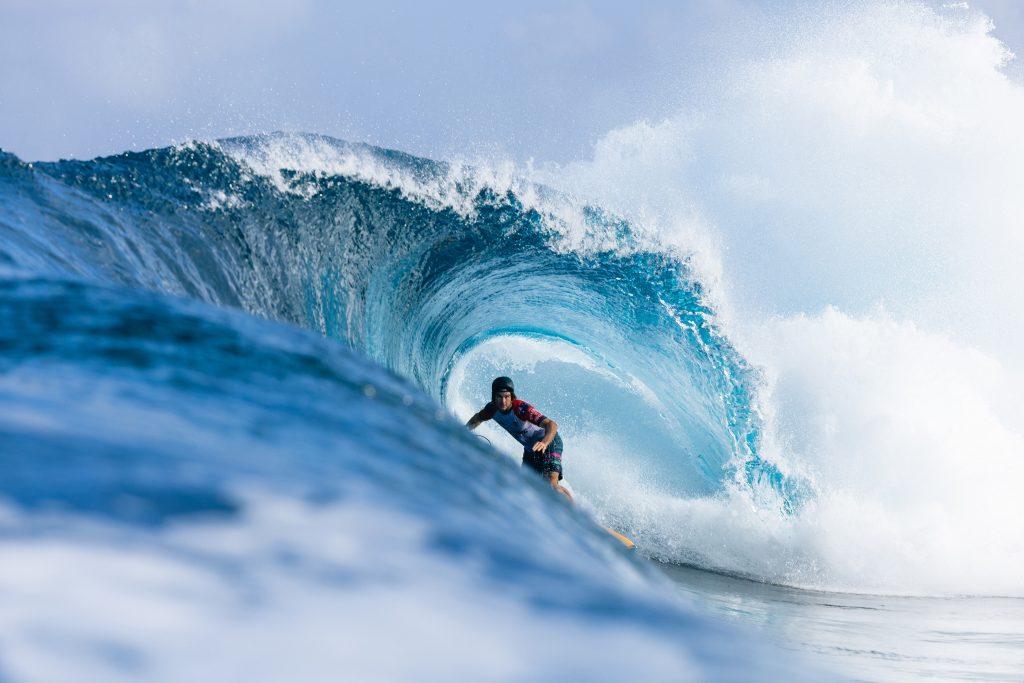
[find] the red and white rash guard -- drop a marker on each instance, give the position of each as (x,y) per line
(522,422)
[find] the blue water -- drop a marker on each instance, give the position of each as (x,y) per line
(225,450)
(233,384)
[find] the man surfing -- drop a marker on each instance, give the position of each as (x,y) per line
(542,447)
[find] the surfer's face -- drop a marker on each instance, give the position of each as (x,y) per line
(503,401)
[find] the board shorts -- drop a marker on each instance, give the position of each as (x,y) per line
(548,461)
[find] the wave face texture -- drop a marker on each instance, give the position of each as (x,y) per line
(188,480)
(180,441)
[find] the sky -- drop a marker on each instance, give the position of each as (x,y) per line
(540,79)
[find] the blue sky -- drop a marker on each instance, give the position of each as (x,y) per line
(536,79)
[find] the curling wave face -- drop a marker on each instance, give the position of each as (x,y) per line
(439,274)
(268,478)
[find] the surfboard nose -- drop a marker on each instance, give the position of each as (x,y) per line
(622,539)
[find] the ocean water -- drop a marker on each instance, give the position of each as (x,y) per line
(872,637)
(778,332)
(225,452)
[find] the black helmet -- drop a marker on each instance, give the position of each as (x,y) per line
(502,384)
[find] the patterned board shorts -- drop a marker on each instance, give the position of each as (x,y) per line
(548,461)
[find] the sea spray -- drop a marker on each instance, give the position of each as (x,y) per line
(856,173)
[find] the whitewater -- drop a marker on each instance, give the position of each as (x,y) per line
(779,332)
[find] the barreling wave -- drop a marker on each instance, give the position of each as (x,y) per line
(157,440)
(422,266)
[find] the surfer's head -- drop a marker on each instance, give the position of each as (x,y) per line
(503,384)
(503,392)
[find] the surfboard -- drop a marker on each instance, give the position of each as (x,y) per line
(615,534)
(622,539)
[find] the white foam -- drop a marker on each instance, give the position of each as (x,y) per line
(454,187)
(294,590)
(915,472)
(860,182)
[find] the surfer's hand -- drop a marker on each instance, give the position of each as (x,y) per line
(540,447)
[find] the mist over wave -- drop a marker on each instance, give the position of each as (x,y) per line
(857,185)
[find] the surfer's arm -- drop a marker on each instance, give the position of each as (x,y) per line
(550,429)
(484,415)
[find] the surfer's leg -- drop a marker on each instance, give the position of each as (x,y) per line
(553,478)
(549,466)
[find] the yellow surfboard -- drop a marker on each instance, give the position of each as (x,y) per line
(619,537)
(622,539)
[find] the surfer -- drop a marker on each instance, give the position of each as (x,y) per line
(542,447)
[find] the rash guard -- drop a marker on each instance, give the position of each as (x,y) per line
(522,422)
